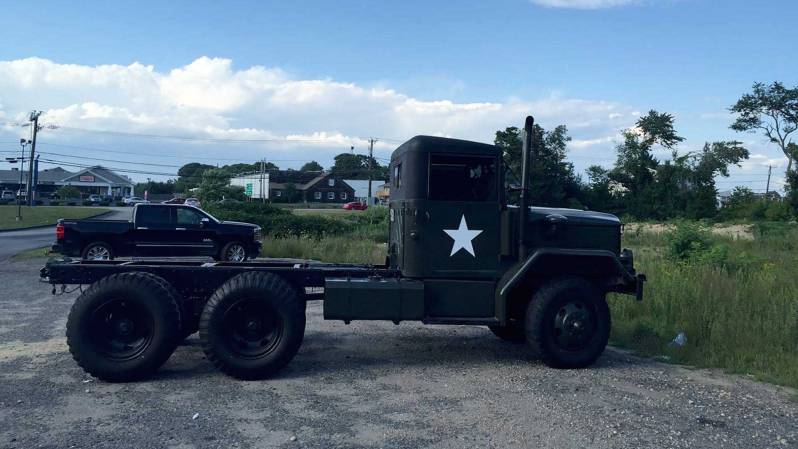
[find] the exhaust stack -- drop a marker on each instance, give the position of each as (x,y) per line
(524,203)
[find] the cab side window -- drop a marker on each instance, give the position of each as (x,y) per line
(462,178)
(188,217)
(153,216)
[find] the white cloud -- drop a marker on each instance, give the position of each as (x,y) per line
(302,118)
(584,4)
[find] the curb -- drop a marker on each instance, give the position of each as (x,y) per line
(30,228)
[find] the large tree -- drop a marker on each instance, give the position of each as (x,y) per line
(311,166)
(358,166)
(551,177)
(772,110)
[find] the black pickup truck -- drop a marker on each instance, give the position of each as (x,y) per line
(158,230)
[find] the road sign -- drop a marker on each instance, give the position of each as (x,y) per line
(248,189)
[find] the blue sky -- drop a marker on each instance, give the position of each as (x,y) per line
(591,64)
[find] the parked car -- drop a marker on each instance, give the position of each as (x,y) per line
(94,199)
(133,200)
(192,202)
(355,205)
(175,201)
(7,195)
(158,230)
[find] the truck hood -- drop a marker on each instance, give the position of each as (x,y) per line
(238,223)
(574,216)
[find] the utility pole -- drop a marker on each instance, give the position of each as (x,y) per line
(22,143)
(34,118)
(767,186)
(371,158)
(262,179)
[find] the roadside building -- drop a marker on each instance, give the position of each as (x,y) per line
(255,185)
(384,193)
(90,181)
(323,188)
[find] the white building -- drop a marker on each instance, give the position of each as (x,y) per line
(256,185)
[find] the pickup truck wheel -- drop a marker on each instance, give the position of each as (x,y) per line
(234,252)
(568,323)
(253,325)
(514,333)
(98,251)
(124,327)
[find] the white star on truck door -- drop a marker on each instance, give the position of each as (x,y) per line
(462,237)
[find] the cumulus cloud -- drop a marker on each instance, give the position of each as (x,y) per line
(306,118)
(584,4)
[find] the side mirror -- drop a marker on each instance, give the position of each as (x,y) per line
(204,221)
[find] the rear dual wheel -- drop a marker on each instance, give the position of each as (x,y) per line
(253,325)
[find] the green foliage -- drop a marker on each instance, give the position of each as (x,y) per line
(771,110)
(356,166)
(153,187)
(688,241)
(68,192)
(551,178)
(215,186)
(311,166)
(741,317)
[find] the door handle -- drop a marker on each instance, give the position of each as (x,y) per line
(180,229)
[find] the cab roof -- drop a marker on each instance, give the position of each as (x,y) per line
(443,145)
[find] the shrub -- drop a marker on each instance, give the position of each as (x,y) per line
(687,241)
(71,203)
(778,211)
(55,203)
(86,203)
(104,203)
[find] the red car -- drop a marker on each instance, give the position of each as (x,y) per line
(356,205)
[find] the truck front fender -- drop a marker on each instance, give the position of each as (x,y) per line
(551,262)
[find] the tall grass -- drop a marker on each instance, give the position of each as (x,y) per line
(738,307)
(331,249)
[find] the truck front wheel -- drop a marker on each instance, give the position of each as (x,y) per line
(253,325)
(124,327)
(568,323)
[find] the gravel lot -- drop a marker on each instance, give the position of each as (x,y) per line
(368,385)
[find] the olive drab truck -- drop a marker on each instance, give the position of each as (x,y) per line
(458,254)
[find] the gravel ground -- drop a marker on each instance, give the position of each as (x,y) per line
(369,385)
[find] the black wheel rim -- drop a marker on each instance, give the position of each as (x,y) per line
(574,325)
(121,329)
(251,328)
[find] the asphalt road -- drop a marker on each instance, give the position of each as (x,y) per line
(14,242)
(369,384)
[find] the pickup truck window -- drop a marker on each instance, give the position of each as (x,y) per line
(186,216)
(153,215)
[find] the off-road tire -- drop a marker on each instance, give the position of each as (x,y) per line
(143,291)
(512,333)
(85,253)
(226,247)
(189,323)
(218,336)
(540,316)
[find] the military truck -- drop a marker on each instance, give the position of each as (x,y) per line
(457,254)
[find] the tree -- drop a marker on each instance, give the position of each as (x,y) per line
(356,166)
(772,110)
(190,175)
(311,166)
(65,192)
(216,186)
(551,177)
